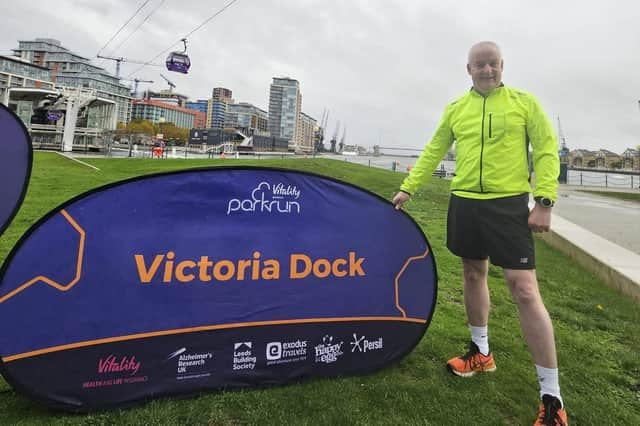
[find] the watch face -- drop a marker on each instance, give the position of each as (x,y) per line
(546,202)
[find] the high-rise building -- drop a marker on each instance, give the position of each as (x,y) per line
(308,126)
(285,105)
(217,107)
(247,118)
(71,70)
(199,105)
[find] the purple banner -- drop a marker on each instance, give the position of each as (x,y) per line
(229,277)
(15,164)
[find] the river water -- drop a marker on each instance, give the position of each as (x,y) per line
(403,164)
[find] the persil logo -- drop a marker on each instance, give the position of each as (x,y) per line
(361,344)
(267,198)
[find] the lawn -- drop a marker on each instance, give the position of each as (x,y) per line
(597,331)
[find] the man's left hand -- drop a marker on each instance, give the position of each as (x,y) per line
(540,218)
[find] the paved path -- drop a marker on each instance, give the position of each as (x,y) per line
(602,234)
(615,220)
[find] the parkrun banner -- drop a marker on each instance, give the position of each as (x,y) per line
(182,282)
(15,164)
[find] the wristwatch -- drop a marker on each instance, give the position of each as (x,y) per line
(544,202)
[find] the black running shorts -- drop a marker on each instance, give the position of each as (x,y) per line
(496,229)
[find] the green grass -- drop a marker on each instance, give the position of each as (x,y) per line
(597,331)
(627,196)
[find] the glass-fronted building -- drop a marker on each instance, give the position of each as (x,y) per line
(158,112)
(71,70)
(285,105)
(247,118)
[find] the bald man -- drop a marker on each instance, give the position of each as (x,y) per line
(489,220)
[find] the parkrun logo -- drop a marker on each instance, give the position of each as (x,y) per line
(279,198)
(167,268)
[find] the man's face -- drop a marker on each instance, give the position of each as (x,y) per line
(485,68)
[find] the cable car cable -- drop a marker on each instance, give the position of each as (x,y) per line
(136,28)
(122,27)
(206,21)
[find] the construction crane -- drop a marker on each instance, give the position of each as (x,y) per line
(563,141)
(169,82)
(344,135)
(334,139)
(136,81)
(564,150)
(118,61)
(319,138)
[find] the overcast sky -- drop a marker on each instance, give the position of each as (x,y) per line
(384,68)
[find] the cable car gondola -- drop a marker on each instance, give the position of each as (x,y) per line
(179,61)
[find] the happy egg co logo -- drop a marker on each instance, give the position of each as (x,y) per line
(267,198)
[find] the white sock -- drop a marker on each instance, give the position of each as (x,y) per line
(548,378)
(480,336)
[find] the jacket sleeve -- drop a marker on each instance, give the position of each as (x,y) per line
(546,160)
(431,155)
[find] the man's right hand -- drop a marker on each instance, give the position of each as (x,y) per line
(399,199)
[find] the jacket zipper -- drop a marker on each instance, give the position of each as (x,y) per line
(484,104)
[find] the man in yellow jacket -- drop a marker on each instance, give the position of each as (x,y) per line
(493,127)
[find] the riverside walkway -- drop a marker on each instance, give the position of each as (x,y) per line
(601,233)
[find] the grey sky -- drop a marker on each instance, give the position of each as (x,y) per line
(384,68)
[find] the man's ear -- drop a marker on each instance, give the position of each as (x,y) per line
(468,69)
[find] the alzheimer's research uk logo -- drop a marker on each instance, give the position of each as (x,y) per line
(268,198)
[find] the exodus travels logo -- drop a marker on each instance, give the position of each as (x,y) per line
(190,365)
(328,352)
(243,358)
(361,344)
(267,198)
(285,352)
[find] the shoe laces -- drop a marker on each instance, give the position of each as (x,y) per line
(550,414)
(470,357)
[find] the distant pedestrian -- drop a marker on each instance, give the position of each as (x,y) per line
(489,218)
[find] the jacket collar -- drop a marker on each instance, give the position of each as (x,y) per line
(500,86)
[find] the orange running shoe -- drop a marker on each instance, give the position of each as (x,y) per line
(471,363)
(551,412)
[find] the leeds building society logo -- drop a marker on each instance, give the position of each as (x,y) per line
(268,198)
(361,344)
(243,358)
(328,351)
(285,352)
